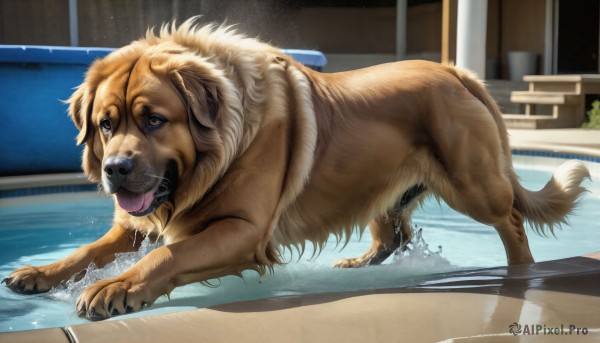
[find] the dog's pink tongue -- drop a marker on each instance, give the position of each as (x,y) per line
(132,202)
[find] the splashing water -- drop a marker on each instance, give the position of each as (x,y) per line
(415,260)
(418,254)
(70,290)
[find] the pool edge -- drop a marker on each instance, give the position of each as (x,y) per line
(42,180)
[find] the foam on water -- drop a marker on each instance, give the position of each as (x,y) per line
(70,290)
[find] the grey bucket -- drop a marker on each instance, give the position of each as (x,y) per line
(521,63)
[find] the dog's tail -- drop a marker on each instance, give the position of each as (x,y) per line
(548,207)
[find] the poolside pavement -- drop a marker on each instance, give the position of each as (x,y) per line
(575,141)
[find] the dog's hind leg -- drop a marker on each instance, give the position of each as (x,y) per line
(388,232)
(488,199)
(474,178)
(385,240)
(514,239)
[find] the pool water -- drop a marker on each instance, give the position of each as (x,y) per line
(42,229)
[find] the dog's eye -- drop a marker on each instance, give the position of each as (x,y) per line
(106,125)
(155,122)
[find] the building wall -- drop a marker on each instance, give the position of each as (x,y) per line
(337,31)
(347,30)
(38,22)
(113,23)
(424,28)
(523,29)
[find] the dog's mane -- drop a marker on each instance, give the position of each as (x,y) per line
(242,60)
(208,40)
(247,60)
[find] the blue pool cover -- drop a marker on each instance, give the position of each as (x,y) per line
(36,135)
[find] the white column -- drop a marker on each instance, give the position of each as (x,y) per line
(470,35)
(401,29)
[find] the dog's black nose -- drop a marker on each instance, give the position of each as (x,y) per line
(117,168)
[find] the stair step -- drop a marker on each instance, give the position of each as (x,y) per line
(538,121)
(561,78)
(544,98)
(526,117)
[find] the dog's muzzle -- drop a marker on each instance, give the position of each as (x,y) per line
(139,195)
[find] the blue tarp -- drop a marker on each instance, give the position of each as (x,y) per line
(85,56)
(50,54)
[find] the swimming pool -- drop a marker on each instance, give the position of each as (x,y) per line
(41,229)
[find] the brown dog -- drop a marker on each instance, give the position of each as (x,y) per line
(230,150)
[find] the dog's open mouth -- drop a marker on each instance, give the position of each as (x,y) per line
(141,204)
(145,203)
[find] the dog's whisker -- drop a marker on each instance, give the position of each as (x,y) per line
(160,194)
(162,178)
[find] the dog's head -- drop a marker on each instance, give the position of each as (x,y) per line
(154,119)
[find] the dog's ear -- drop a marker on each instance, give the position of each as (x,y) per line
(198,87)
(80,111)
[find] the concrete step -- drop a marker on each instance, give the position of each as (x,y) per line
(545,98)
(561,78)
(521,121)
(500,91)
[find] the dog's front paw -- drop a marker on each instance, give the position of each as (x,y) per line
(30,280)
(114,297)
(350,263)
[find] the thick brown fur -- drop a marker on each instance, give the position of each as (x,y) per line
(266,154)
